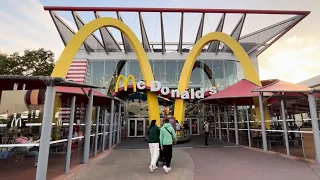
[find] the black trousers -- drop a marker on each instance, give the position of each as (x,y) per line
(167,154)
(206,134)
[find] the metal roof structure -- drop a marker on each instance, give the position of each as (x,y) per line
(37,82)
(254,43)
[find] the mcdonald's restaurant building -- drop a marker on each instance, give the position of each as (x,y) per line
(206,48)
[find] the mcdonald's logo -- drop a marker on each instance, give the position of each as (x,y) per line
(126,83)
(64,62)
(16,121)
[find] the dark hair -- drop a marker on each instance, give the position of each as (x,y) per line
(19,134)
(166,120)
(153,123)
(177,121)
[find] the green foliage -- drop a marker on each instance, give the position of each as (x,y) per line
(33,63)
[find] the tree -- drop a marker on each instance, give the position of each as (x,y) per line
(33,63)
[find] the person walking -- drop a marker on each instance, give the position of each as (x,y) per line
(153,139)
(167,138)
(206,132)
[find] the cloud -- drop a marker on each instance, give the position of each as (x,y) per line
(25,25)
(295,59)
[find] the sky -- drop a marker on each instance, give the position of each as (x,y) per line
(294,58)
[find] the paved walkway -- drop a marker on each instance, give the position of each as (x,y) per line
(218,163)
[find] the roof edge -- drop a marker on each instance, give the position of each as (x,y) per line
(190,10)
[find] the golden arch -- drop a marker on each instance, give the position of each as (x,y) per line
(126,83)
(64,62)
(244,59)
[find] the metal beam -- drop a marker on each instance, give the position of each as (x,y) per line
(144,36)
(275,33)
(152,55)
(109,42)
(181,35)
(92,42)
(200,28)
(279,36)
(126,43)
(236,32)
(66,32)
(214,46)
(162,34)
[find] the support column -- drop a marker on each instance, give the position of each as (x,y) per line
(215,121)
(104,129)
(114,127)
(219,122)
(236,123)
(97,132)
(88,122)
(119,124)
(71,121)
(315,125)
(248,126)
(111,123)
(46,133)
(263,123)
(284,124)
(227,121)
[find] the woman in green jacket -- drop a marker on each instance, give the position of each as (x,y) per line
(153,139)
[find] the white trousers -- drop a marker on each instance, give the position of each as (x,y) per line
(154,151)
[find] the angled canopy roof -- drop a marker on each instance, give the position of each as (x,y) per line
(282,86)
(254,43)
(239,93)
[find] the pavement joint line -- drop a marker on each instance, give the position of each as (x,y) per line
(78,168)
(307,161)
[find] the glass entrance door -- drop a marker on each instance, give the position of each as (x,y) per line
(136,127)
(194,125)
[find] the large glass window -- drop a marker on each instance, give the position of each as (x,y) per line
(171,68)
(134,69)
(159,70)
(180,66)
(98,72)
(110,67)
(196,76)
(208,73)
(218,72)
(230,73)
(240,72)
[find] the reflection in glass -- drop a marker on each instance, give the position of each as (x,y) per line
(171,68)
(110,69)
(140,128)
(159,70)
(134,69)
(131,127)
(196,76)
(207,81)
(98,72)
(218,73)
(230,73)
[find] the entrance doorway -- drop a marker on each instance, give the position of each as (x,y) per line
(194,125)
(136,127)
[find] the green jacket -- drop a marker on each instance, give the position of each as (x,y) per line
(165,137)
(153,136)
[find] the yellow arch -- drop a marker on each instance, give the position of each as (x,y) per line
(245,61)
(64,62)
(125,83)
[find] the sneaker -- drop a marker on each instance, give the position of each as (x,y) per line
(151,169)
(166,169)
(169,168)
(155,167)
